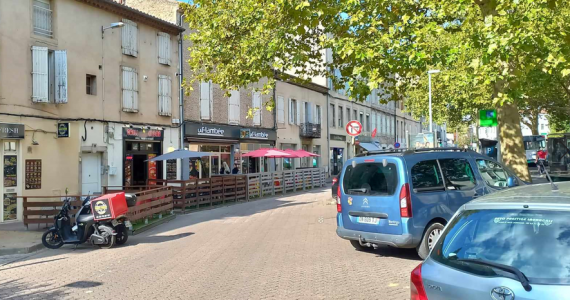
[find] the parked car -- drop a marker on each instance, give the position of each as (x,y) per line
(405,198)
(511,243)
(334,186)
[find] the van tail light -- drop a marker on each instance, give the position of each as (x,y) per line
(417,290)
(338,206)
(405,201)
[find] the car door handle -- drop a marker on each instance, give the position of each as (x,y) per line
(368,214)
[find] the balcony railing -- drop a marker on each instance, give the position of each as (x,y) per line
(310,130)
(42,21)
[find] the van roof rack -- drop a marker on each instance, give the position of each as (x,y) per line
(411,151)
(383,151)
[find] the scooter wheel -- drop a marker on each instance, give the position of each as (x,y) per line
(108,232)
(51,239)
(122,234)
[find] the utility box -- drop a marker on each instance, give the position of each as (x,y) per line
(109,206)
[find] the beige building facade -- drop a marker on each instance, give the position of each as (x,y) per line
(83,103)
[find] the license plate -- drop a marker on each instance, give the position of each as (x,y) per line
(368,220)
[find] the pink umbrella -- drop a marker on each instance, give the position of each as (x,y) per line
(266,152)
(303,153)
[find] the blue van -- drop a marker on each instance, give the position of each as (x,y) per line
(404,198)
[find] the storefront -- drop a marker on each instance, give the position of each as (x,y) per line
(140,145)
(10,162)
(337,154)
(227,144)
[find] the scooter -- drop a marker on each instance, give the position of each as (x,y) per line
(104,234)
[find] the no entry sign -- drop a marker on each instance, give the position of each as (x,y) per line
(353,128)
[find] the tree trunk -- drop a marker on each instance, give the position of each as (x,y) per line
(512,148)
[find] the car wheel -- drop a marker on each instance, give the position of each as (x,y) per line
(430,238)
(359,247)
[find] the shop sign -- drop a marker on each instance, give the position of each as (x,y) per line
(143,134)
(253,134)
(63,130)
(337,137)
(11,131)
(211,131)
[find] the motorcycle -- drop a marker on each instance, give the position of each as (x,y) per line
(104,234)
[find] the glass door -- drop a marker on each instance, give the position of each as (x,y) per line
(9,183)
(215,163)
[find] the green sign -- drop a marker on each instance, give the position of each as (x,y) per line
(488,118)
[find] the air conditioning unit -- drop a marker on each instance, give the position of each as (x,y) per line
(175,121)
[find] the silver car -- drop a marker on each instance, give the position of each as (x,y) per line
(509,245)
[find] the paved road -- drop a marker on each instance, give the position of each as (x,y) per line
(282,248)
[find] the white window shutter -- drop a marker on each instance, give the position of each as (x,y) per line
(205,100)
(257,108)
(234,107)
(163,44)
(164,95)
(280,110)
(60,77)
(130,89)
(40,78)
(298,117)
(129,38)
(309,113)
(291,117)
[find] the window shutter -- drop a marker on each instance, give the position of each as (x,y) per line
(320,119)
(291,117)
(129,38)
(298,117)
(164,95)
(163,43)
(280,110)
(130,89)
(257,108)
(309,112)
(205,100)
(60,77)
(40,74)
(233,107)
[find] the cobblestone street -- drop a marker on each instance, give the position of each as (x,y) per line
(278,248)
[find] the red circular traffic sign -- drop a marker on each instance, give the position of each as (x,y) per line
(353,128)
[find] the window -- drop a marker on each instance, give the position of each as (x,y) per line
(426,177)
(43,18)
(130,88)
(308,112)
(49,75)
(9,146)
(458,174)
(129,38)
(206,91)
(293,118)
(233,107)
(316,159)
(362,118)
(333,118)
(280,110)
(493,173)
(542,127)
(340,119)
(163,43)
(355,115)
(373,125)
(347,114)
(164,95)
(256,102)
(318,112)
(370,179)
(368,122)
(533,241)
(91,84)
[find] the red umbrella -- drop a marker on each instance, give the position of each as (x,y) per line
(303,153)
(266,152)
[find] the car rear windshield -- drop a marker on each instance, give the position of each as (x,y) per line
(535,242)
(370,179)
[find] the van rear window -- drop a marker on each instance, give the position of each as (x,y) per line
(370,179)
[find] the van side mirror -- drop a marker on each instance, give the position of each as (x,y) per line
(511,182)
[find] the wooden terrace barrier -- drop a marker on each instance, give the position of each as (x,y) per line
(282,182)
(42,209)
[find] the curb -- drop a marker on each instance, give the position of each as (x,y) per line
(156,223)
(11,251)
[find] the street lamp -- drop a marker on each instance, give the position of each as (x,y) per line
(103,28)
(429,76)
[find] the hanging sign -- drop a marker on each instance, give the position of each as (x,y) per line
(63,130)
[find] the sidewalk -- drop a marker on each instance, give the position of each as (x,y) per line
(17,242)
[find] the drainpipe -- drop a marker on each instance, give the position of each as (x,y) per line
(184,163)
(275,167)
(328,135)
